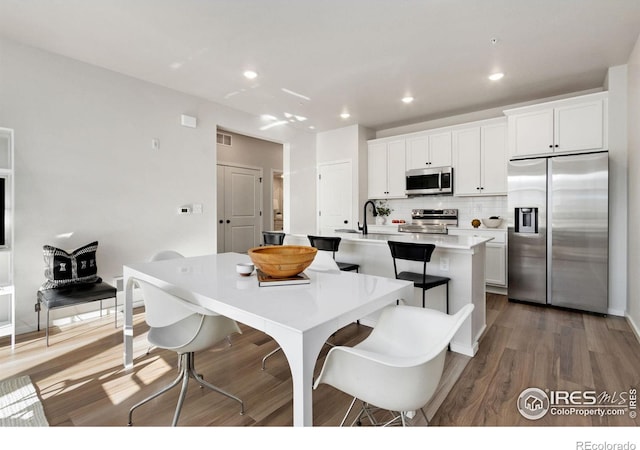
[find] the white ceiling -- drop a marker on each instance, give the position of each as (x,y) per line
(355,55)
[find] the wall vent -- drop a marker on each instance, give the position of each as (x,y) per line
(223,139)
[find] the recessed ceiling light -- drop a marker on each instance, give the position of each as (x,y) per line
(345,115)
(268,117)
(408,99)
(496,76)
(250,74)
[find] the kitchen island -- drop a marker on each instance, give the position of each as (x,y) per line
(461,258)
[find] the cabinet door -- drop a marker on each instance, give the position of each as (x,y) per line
(531,133)
(396,173)
(493,169)
(496,267)
(377,170)
(579,127)
(417,152)
(466,174)
(440,149)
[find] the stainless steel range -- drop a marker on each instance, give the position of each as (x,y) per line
(431,221)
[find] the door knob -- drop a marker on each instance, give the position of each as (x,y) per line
(228,221)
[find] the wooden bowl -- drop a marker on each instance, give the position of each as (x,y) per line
(282,261)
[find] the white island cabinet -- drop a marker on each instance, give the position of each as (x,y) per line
(461,258)
(496,264)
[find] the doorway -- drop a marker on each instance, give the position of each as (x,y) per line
(277,193)
(239,193)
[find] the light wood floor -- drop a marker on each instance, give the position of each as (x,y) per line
(81,380)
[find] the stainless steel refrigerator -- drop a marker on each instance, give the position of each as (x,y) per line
(558,231)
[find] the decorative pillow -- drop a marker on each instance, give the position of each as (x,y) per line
(63,269)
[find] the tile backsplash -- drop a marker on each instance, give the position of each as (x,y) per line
(469,208)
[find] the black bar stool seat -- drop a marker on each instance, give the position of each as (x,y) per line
(411,251)
(272,238)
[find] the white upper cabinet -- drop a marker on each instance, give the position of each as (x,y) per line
(387,169)
(429,150)
(571,125)
(480,166)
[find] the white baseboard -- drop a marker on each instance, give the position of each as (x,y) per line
(634,326)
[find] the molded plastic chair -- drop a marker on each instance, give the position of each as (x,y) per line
(272,238)
(331,244)
(412,251)
(160,256)
(178,325)
(399,365)
(321,263)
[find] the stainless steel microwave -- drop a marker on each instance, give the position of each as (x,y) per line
(432,181)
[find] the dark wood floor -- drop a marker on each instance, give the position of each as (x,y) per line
(81,380)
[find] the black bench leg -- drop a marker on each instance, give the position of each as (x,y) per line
(447,297)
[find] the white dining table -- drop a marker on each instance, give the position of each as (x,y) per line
(299,318)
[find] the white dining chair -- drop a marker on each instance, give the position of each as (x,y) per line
(398,366)
(161,256)
(178,325)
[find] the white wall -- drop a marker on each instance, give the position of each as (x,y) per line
(84,165)
(616,84)
(633,168)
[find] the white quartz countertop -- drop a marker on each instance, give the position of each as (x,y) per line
(440,240)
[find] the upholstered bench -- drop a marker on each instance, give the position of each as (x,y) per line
(73,295)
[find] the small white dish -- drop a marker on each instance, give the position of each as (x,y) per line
(244,269)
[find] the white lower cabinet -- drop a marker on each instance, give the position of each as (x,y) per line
(496,253)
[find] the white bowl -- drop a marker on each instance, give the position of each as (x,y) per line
(492,223)
(244,269)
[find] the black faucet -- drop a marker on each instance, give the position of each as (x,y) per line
(364,215)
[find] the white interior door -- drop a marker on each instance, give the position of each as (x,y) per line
(242,205)
(335,197)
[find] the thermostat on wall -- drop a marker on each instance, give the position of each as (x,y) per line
(184,210)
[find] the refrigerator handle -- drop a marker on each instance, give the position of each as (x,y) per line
(549,230)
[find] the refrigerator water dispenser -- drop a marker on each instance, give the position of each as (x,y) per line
(526,220)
